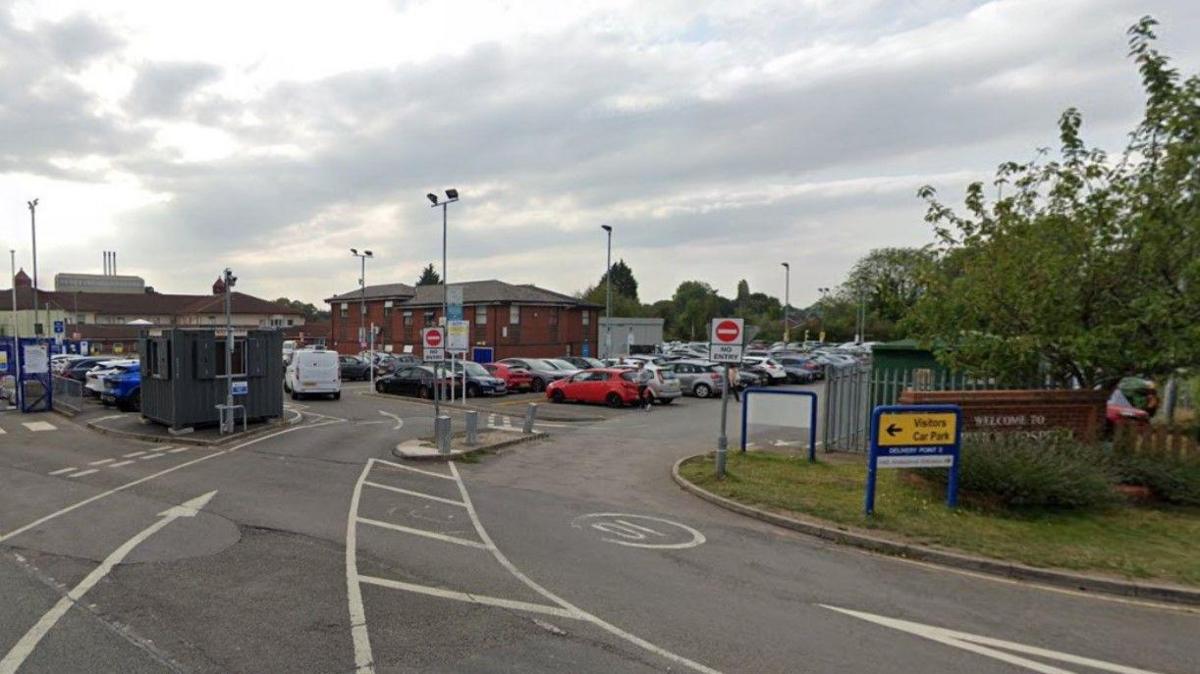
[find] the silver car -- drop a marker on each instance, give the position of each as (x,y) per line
(698,378)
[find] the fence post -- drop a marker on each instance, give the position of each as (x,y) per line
(472,428)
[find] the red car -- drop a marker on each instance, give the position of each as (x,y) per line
(614,387)
(515,379)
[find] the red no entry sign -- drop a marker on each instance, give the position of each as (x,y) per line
(433,338)
(727,332)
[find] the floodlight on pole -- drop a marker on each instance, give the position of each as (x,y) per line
(608,295)
(451,197)
(787,290)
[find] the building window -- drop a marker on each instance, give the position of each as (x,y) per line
(408,319)
(587,317)
(514,314)
(238,359)
(387,312)
(480,315)
(345,313)
(290,322)
(428,318)
(362,308)
(552,319)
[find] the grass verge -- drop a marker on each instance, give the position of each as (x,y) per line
(1141,542)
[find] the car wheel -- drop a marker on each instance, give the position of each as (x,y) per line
(702,391)
(337,396)
(423,392)
(666,401)
(472,390)
(614,400)
(557,396)
(538,386)
(379,387)
(295,396)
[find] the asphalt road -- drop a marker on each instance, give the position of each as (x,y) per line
(311,550)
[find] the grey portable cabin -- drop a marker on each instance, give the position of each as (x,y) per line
(183,375)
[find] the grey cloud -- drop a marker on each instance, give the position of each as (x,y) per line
(78,39)
(162,89)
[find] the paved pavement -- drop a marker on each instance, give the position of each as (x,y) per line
(312,549)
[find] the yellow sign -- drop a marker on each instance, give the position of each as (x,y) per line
(914,429)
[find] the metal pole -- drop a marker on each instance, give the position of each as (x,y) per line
(227,417)
(437,382)
(722,440)
(787,292)
(608,297)
(12,256)
(33,228)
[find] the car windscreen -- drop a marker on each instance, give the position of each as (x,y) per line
(539,364)
(561,364)
(475,369)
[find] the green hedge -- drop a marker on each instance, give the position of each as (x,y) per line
(1172,480)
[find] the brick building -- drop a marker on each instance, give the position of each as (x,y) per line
(505,320)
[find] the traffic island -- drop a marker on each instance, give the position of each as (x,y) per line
(1129,548)
(425,449)
(134,426)
(515,406)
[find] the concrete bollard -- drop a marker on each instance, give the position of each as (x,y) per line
(441,430)
(530,416)
(472,428)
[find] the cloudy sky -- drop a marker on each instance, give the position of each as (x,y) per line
(718,138)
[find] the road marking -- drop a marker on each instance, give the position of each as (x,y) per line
(629,533)
(133,483)
(979,644)
(3,432)
(399,421)
(469,598)
(134,455)
(101,462)
(430,473)
(39,426)
(85,472)
(22,650)
(431,497)
(178,450)
(60,471)
(121,463)
(422,532)
(151,456)
(363,660)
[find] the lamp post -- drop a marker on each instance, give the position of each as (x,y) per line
(362,311)
(33,228)
(227,418)
(824,295)
(12,259)
(608,295)
(451,197)
(787,299)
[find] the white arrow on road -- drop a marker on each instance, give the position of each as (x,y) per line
(17,656)
(980,645)
(399,421)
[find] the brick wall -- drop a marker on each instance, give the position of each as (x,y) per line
(1038,414)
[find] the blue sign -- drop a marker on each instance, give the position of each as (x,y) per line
(915,436)
(241,388)
(587,350)
(59,328)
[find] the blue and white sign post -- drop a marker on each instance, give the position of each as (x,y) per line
(915,436)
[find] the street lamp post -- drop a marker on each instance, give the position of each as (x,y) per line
(12,259)
(608,295)
(227,418)
(787,299)
(824,294)
(362,311)
(434,202)
(33,228)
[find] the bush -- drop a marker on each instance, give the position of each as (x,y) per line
(1172,480)
(1019,473)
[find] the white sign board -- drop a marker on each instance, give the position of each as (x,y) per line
(457,334)
(433,342)
(725,340)
(916,461)
(35,359)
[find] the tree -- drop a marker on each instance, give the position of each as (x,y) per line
(429,276)
(310,311)
(1083,267)
(623,282)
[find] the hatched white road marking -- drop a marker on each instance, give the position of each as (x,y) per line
(101,462)
(151,456)
(469,597)
(178,450)
(121,463)
(431,497)
(2,431)
(132,455)
(23,648)
(979,644)
(60,471)
(38,426)
(85,472)
(422,532)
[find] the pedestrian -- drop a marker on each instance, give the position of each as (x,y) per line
(643,381)
(733,382)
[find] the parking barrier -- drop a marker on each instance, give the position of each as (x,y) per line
(530,415)
(472,428)
(441,430)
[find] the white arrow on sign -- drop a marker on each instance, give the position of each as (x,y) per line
(16,657)
(980,645)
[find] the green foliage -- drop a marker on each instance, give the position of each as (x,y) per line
(429,276)
(310,311)
(1017,473)
(623,282)
(1083,266)
(1172,480)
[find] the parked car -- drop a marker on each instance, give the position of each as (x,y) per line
(94,380)
(413,380)
(698,378)
(615,387)
(354,368)
(663,384)
(566,366)
(799,370)
(313,371)
(543,373)
(123,387)
(775,372)
(61,361)
(480,382)
(78,369)
(515,378)
(583,362)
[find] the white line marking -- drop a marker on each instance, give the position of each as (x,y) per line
(363,661)
(470,598)
(134,455)
(121,463)
(3,432)
(580,613)
(415,470)
(422,532)
(178,450)
(111,416)
(59,513)
(431,497)
(85,472)
(60,471)
(978,644)
(399,421)
(631,532)
(151,456)
(101,462)
(21,651)
(39,426)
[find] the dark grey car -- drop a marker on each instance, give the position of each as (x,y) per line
(542,372)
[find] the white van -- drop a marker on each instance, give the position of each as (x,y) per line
(313,372)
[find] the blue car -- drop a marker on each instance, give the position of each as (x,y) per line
(123,388)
